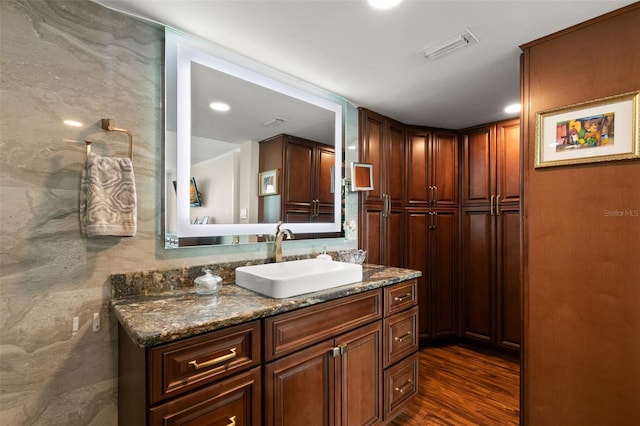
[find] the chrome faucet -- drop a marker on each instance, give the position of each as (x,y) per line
(277,243)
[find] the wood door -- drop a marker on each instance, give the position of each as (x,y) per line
(443,272)
(508,161)
(359,378)
(478,165)
(299,388)
(444,169)
(477,278)
(508,283)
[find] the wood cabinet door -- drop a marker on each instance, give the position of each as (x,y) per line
(418,185)
(325,164)
(382,237)
(393,179)
(444,169)
(508,161)
(443,272)
(417,258)
(298,179)
(432,248)
(478,158)
(235,400)
(477,278)
(359,377)
(393,228)
(371,151)
(370,235)
(509,314)
(299,388)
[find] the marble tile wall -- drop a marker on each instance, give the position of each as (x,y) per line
(75,60)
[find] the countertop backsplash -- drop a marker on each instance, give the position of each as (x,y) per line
(180,279)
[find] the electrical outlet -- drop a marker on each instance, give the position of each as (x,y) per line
(75,324)
(96,321)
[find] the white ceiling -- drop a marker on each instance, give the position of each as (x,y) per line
(372,57)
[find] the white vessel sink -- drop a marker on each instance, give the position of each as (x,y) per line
(287,279)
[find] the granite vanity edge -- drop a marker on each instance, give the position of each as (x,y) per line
(152,320)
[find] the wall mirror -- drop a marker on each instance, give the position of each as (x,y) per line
(361,176)
(219,152)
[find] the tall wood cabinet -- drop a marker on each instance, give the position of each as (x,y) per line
(431,218)
(490,235)
(306,174)
(382,142)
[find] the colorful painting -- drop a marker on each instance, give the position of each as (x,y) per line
(585,132)
(604,129)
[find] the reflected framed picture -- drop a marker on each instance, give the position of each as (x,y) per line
(195,198)
(604,129)
(268,183)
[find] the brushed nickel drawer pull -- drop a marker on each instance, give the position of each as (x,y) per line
(211,362)
(401,298)
(405,387)
(403,338)
(232,420)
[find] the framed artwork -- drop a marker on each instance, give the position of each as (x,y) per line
(268,183)
(604,129)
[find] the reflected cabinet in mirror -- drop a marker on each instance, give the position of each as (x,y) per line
(245,148)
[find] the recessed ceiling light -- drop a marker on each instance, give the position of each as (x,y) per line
(72,123)
(383,4)
(513,108)
(219,106)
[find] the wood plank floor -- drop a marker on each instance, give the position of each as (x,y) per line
(461,386)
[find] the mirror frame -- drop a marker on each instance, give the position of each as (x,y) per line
(188,50)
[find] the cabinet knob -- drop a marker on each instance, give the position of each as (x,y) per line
(232,421)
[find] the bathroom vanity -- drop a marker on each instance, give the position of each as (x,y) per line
(343,356)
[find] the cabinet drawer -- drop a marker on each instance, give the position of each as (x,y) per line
(400,384)
(234,401)
(400,296)
(288,332)
(180,366)
(400,335)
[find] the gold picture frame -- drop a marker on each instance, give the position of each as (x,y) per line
(268,183)
(604,129)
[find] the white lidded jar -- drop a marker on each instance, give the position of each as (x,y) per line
(207,283)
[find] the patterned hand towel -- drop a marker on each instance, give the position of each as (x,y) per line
(108,198)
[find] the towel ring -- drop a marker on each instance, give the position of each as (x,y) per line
(107,124)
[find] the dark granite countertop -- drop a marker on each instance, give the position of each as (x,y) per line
(153,319)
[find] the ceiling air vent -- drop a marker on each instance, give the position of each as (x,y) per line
(451,45)
(275,122)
